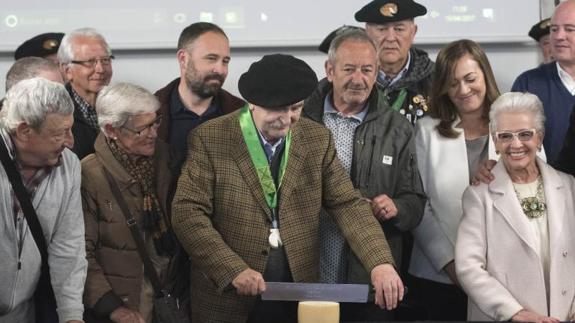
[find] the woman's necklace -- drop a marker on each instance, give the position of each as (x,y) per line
(533,206)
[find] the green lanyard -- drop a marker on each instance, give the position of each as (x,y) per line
(258,156)
(399,101)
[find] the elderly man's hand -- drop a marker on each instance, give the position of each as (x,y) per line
(249,282)
(388,286)
(383,207)
(528,316)
(483,174)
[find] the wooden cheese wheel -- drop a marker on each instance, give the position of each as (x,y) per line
(318,312)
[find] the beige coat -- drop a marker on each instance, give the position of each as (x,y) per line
(496,260)
(115,270)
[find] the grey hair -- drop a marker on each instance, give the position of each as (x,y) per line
(66,50)
(516,103)
(356,35)
(31,100)
(116,103)
(27,68)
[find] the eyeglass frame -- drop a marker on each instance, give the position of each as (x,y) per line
(146,128)
(515,134)
(91,63)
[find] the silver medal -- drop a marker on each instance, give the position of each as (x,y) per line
(274,238)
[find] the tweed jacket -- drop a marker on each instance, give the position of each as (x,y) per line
(497,260)
(222,220)
(115,270)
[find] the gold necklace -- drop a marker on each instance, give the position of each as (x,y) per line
(533,206)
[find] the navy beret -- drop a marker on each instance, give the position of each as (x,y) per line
(384,11)
(540,29)
(39,46)
(324,46)
(277,81)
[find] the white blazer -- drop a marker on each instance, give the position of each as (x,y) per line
(496,260)
(444,172)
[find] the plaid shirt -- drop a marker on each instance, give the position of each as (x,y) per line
(88,111)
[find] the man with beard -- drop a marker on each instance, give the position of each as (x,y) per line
(376,147)
(404,71)
(197,95)
(86,63)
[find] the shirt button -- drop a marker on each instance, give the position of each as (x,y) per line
(564,253)
(563,292)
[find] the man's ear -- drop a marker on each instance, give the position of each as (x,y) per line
(66,71)
(23,131)
(329,70)
(181,55)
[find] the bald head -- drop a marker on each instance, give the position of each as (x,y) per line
(562,34)
(30,67)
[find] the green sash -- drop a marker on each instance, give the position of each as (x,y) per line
(258,156)
(400,99)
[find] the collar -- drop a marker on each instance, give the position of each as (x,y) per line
(79,99)
(40,172)
(265,143)
(177,106)
(381,75)
(328,108)
(566,79)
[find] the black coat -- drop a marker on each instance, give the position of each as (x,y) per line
(84,134)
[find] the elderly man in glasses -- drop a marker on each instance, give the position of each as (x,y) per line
(86,63)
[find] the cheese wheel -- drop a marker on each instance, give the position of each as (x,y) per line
(318,312)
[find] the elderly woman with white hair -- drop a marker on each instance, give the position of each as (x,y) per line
(127,149)
(514,254)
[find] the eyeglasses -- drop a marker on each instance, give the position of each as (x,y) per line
(145,129)
(91,63)
(522,135)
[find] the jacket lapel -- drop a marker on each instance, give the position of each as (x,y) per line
(506,202)
(554,198)
(246,166)
(294,165)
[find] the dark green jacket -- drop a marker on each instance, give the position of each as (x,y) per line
(383,132)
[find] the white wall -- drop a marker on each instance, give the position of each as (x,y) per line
(155,68)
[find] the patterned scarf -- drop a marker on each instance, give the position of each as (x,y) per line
(141,169)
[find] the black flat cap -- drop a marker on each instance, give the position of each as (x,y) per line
(39,46)
(277,81)
(384,11)
(540,29)
(324,46)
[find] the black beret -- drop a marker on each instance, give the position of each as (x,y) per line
(39,46)
(277,81)
(540,29)
(384,11)
(324,46)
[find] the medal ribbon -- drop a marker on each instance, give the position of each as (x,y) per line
(399,101)
(258,156)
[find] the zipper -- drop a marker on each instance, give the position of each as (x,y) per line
(370,161)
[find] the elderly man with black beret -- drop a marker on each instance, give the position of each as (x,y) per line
(249,198)
(404,71)
(44,45)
